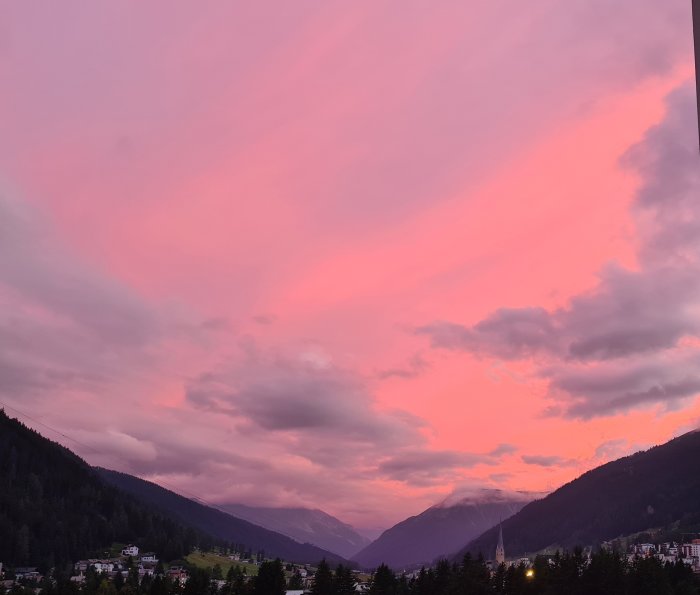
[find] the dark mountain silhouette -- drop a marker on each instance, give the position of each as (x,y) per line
(440,530)
(55,509)
(305,525)
(217,523)
(659,487)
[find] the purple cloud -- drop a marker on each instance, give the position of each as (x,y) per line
(63,325)
(423,467)
(624,344)
(414,367)
(503,449)
(547,461)
(287,395)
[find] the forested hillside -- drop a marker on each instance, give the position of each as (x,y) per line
(218,523)
(438,531)
(651,489)
(54,508)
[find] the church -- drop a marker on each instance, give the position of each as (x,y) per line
(500,550)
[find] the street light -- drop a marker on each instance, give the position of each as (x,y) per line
(530,573)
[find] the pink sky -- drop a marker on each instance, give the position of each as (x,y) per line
(355,256)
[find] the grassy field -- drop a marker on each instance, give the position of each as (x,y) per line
(210,559)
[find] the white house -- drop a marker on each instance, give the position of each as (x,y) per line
(149,557)
(130,550)
(692,549)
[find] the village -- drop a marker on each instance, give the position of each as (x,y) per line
(670,551)
(132,564)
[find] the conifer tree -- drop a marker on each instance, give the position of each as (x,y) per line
(323,580)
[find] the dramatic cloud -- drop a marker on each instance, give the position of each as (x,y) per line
(424,467)
(628,342)
(224,217)
(606,388)
(624,316)
(508,333)
(298,395)
(547,460)
(63,325)
(36,268)
(329,415)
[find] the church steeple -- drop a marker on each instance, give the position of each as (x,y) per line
(500,550)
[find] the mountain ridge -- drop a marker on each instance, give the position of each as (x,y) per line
(306,525)
(54,508)
(651,488)
(218,523)
(438,531)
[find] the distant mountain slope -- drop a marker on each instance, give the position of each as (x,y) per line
(304,525)
(653,488)
(55,509)
(217,523)
(440,530)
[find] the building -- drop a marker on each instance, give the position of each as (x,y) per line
(27,573)
(500,550)
(645,549)
(692,549)
(177,573)
(130,550)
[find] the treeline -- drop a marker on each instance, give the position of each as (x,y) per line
(54,509)
(606,573)
(269,581)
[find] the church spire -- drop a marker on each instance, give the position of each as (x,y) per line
(500,550)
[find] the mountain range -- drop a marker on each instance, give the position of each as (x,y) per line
(55,508)
(440,529)
(305,525)
(657,490)
(217,523)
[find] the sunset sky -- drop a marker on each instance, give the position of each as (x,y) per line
(350,255)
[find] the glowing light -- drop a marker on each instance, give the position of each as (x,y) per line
(530,573)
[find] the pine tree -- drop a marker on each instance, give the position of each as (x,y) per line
(344,581)
(270,579)
(383,581)
(323,580)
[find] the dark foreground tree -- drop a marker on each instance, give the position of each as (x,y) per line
(323,580)
(270,579)
(344,581)
(383,581)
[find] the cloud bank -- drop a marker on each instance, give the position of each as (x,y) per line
(631,341)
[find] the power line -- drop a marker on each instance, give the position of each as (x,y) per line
(41,423)
(696,35)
